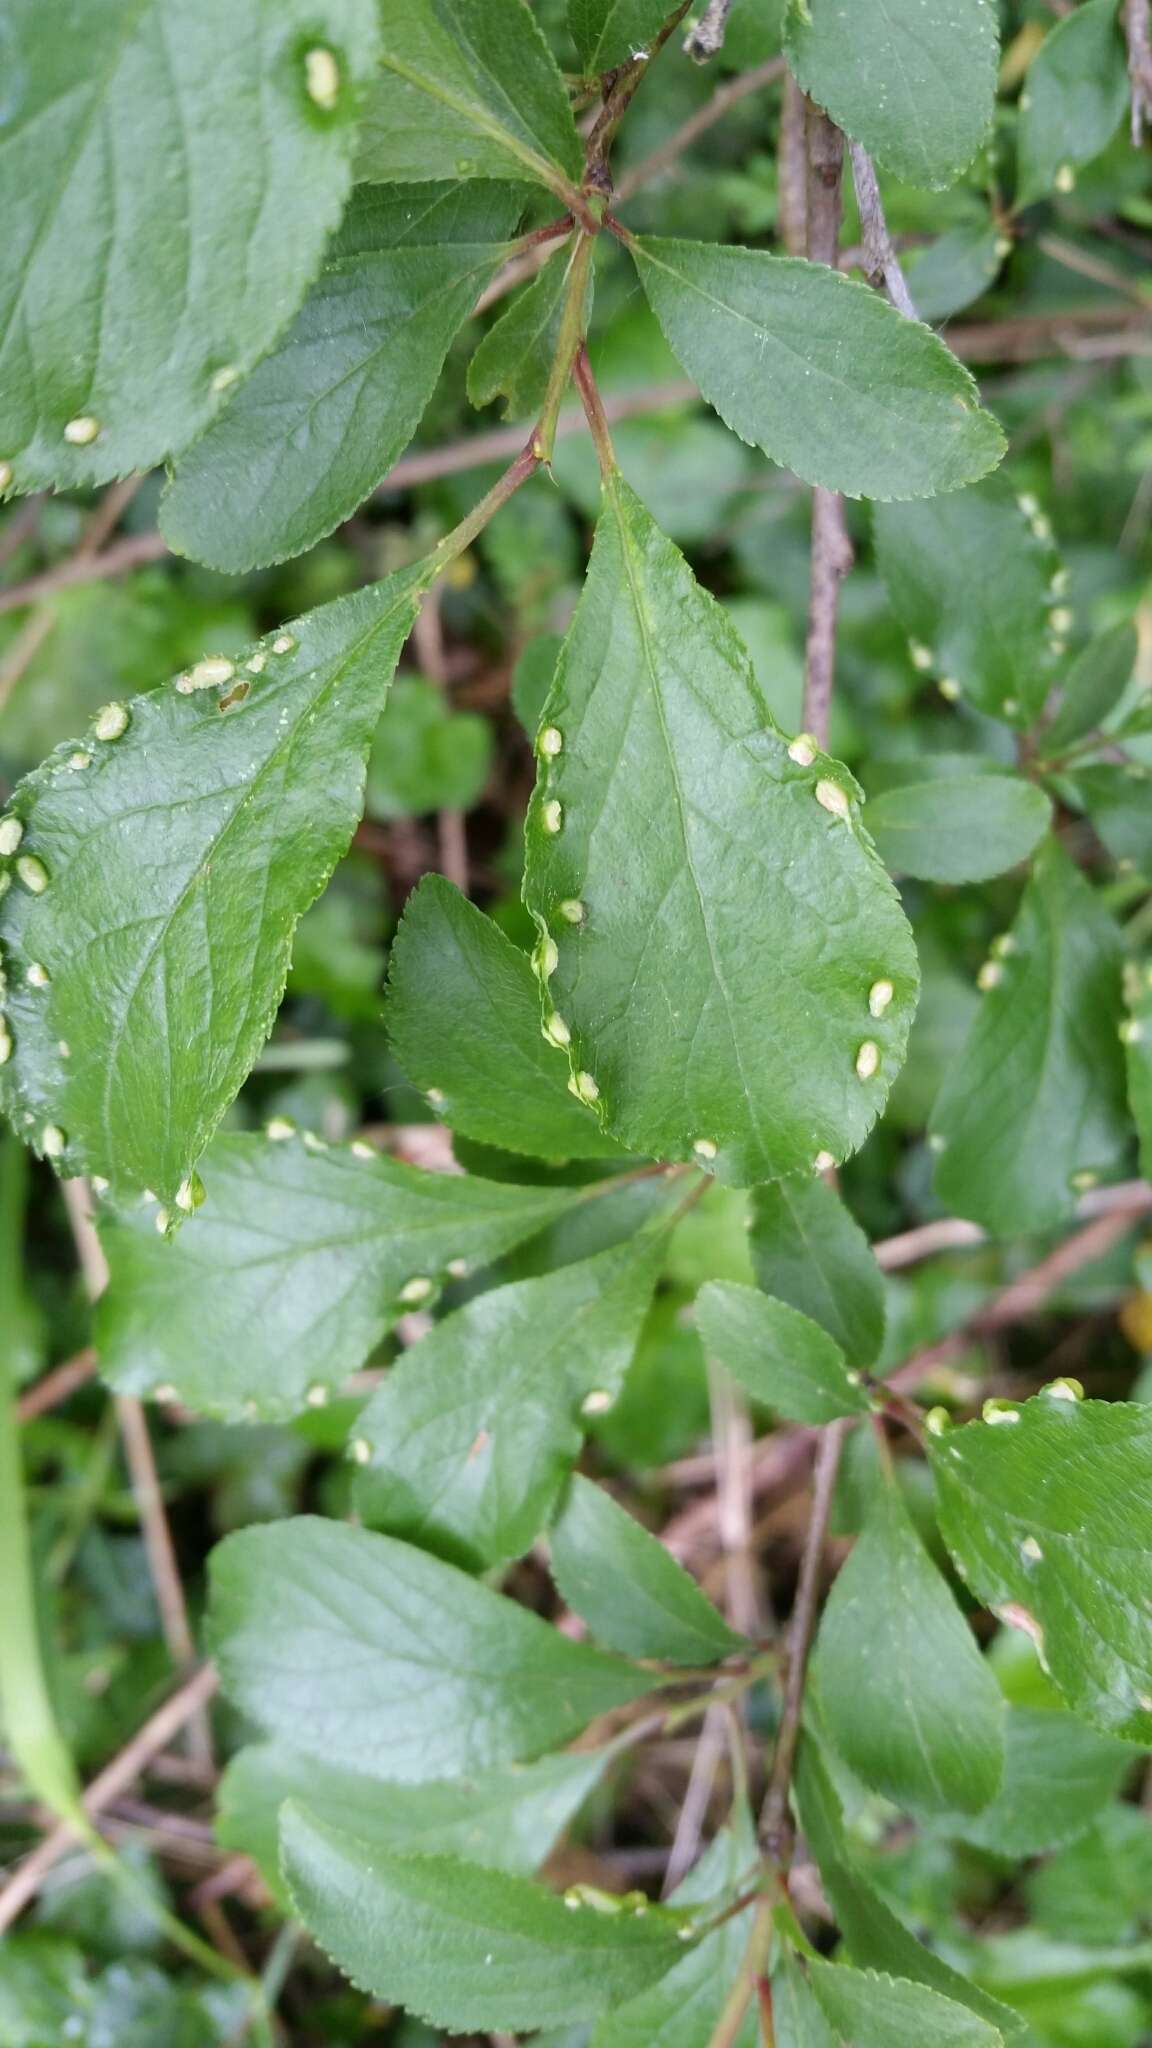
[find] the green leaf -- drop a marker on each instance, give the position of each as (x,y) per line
(723,906)
(608,32)
(808,1250)
(1093,685)
(1058,1773)
(172,174)
(170,861)
(1096,1890)
(819,371)
(1116,797)
(628,1588)
(1036,1097)
(958,828)
(971,579)
(366,1653)
(425,756)
(915,83)
(867,2010)
(956,269)
(468,86)
(1137,1034)
(500,1081)
(906,1697)
(283,1282)
(782,1357)
(872,1933)
(684,2007)
(505,1819)
(796,2015)
(466,1948)
(1075,95)
(515,356)
(328,411)
(475,1429)
(1046,1521)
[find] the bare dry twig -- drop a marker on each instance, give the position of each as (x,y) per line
(831,547)
(141,1463)
(706,39)
(880,258)
(191,1698)
(669,152)
(1138,29)
(775,1821)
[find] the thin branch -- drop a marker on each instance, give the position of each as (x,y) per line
(780,1462)
(21,525)
(37,629)
(188,1700)
(451,828)
(722,101)
(57,1385)
(1138,30)
(832,558)
(1027,337)
(728,2027)
(775,1821)
(476,450)
(792,170)
(622,87)
(596,412)
(707,38)
(731,1437)
(141,1461)
(880,259)
(129,553)
(831,548)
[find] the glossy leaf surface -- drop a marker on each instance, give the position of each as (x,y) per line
(369,1654)
(1037,1094)
(724,908)
(474,1430)
(172,179)
(173,859)
(819,371)
(326,414)
(1040,1515)
(292,1241)
(916,84)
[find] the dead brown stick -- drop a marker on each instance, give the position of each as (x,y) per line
(731,1437)
(129,553)
(831,548)
(881,262)
(141,1461)
(189,1699)
(775,1823)
(669,152)
(706,37)
(1137,17)
(104,520)
(792,170)
(451,826)
(56,1386)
